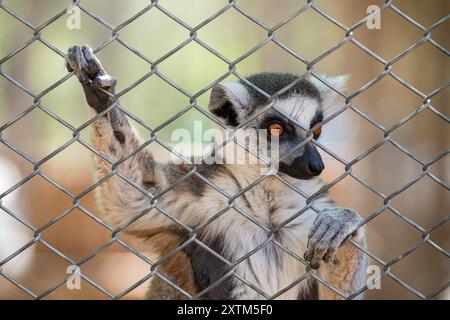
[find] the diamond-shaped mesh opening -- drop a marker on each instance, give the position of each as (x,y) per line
(387,159)
(130,72)
(154,44)
(397,240)
(427,146)
(366,203)
(50,269)
(201,67)
(20,30)
(40,211)
(48,72)
(81,236)
(298,32)
(75,155)
(419,211)
(14,93)
(220,34)
(119,262)
(344,142)
(381,102)
(20,138)
(267,54)
(337,63)
(385,149)
(60,36)
(434,55)
(404,36)
(145,97)
(424,260)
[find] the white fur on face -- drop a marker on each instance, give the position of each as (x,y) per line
(301,109)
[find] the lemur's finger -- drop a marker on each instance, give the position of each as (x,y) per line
(92,68)
(316,224)
(76,62)
(323,244)
(82,64)
(320,231)
(93,65)
(100,78)
(70,59)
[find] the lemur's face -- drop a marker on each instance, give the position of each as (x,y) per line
(299,162)
(299,108)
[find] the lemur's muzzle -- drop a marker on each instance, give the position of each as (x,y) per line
(308,165)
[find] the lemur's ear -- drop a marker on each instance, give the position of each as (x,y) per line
(228,101)
(331,100)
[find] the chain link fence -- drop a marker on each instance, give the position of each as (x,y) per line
(36,33)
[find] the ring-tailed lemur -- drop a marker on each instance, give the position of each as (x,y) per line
(315,237)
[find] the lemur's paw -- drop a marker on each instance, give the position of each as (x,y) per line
(331,228)
(94,79)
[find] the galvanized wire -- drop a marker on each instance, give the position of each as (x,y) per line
(36,36)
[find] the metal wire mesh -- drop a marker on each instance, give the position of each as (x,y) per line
(37,36)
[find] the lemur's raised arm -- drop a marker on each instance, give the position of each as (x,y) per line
(264,241)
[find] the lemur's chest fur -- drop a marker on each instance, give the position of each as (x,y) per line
(263,232)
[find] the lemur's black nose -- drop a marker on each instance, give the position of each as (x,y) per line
(314,163)
(307,166)
(316,166)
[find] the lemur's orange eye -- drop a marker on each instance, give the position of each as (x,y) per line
(317,131)
(276,129)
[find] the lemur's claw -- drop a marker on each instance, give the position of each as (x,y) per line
(331,228)
(91,74)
